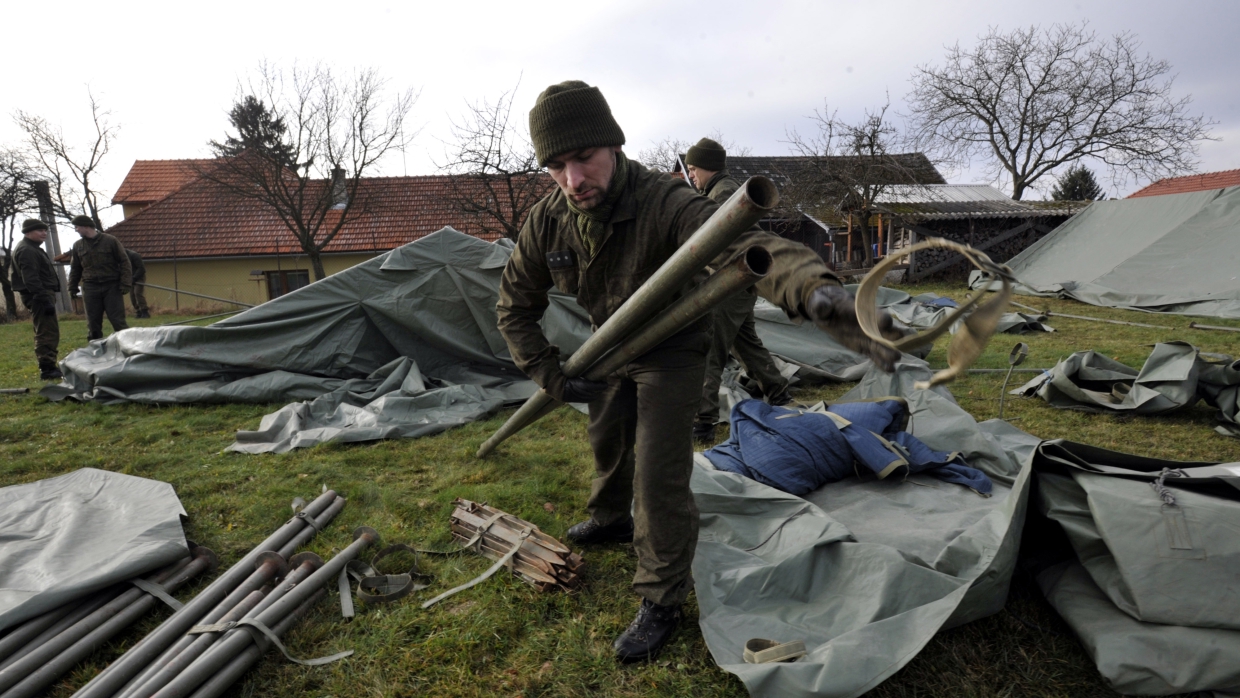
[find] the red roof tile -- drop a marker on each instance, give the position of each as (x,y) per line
(149,181)
(1197,182)
(200,220)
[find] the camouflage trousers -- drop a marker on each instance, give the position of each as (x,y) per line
(734,333)
(101,299)
(46,329)
(640,429)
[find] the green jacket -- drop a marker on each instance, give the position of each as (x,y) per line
(100,260)
(33,272)
(135,263)
(721,187)
(653,217)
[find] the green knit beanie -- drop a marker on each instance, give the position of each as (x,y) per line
(708,155)
(85,221)
(571,116)
(32,224)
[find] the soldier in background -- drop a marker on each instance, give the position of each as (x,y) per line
(733,329)
(35,279)
(138,295)
(100,265)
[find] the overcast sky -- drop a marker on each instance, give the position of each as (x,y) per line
(169,71)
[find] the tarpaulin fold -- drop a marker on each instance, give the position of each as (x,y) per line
(67,536)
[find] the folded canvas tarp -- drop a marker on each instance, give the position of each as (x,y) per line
(403,345)
(67,536)
(1148,581)
(1177,253)
(1176,375)
(865,572)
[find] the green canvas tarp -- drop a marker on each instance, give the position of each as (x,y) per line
(864,572)
(1176,375)
(1148,575)
(403,345)
(1178,253)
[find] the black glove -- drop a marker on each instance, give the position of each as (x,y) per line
(833,310)
(582,389)
(74,291)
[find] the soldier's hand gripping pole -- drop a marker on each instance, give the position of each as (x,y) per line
(756,197)
(744,271)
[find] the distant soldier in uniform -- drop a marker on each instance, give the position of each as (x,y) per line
(100,265)
(604,230)
(138,295)
(35,279)
(733,330)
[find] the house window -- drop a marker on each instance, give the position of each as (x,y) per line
(282,282)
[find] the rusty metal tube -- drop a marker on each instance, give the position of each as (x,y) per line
(269,566)
(235,641)
(48,650)
(755,197)
(63,619)
(107,682)
(320,522)
(197,645)
(46,674)
(234,670)
(744,271)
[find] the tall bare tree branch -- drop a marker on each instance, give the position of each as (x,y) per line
(338,129)
(1038,99)
(495,179)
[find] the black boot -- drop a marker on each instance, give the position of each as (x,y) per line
(589,532)
(49,372)
(648,632)
(704,434)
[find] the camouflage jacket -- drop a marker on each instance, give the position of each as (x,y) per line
(33,272)
(100,260)
(653,217)
(721,187)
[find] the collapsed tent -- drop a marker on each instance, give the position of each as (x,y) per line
(1176,375)
(67,536)
(403,345)
(1177,253)
(865,572)
(1147,575)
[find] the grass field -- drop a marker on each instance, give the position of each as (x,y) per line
(503,638)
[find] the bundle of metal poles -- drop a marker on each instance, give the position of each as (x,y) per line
(646,319)
(269,586)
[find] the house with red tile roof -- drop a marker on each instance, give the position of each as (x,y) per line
(195,237)
(1190,183)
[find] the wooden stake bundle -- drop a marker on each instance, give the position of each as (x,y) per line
(542,561)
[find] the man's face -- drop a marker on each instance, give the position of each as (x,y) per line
(38,236)
(584,175)
(698,176)
(85,231)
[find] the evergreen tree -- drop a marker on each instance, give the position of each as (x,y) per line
(258,128)
(1077,184)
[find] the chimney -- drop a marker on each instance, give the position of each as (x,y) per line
(340,193)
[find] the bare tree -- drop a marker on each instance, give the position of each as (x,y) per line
(338,128)
(16,197)
(847,167)
(70,169)
(1039,99)
(495,179)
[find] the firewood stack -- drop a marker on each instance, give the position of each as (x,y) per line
(542,561)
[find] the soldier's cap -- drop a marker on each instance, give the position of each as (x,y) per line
(84,221)
(32,224)
(571,116)
(708,155)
